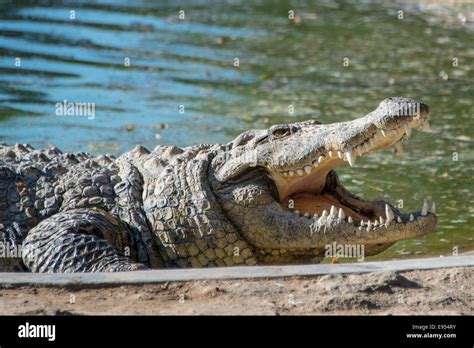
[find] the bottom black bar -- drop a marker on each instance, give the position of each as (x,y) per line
(164,330)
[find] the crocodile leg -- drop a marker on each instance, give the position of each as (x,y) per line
(80,240)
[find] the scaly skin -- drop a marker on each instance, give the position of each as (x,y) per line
(206,205)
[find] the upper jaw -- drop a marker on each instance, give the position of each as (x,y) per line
(374,134)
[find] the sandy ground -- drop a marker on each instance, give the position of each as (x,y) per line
(442,291)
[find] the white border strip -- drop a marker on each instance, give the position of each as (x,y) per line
(187,274)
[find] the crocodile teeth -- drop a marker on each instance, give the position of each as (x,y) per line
(424,210)
(412,218)
(333,210)
(399,219)
(359,150)
(297,212)
(308,169)
(349,220)
(341,214)
(376,223)
(407,129)
(362,222)
(433,208)
(300,172)
(339,154)
(383,133)
(369,224)
(399,149)
(381,220)
(389,213)
(306,214)
(366,147)
(320,159)
(315,215)
(324,213)
(291,173)
(285,173)
(350,158)
(330,153)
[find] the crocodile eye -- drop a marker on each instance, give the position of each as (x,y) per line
(281,132)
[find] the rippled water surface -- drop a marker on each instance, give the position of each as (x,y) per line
(190,63)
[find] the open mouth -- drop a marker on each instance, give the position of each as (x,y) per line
(312,188)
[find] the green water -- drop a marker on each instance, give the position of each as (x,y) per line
(190,62)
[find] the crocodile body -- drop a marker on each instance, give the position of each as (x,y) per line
(251,201)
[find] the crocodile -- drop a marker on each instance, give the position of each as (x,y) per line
(270,196)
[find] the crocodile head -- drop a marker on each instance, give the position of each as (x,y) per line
(280,189)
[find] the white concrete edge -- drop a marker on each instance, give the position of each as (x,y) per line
(188,274)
